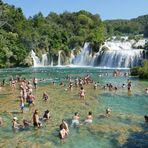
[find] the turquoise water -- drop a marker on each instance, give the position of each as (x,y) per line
(125,128)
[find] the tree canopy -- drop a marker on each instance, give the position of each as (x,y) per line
(50,34)
(19,35)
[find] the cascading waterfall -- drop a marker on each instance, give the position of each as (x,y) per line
(51,62)
(121,58)
(85,56)
(36,60)
(121,55)
(114,54)
(118,45)
(59,58)
(44,60)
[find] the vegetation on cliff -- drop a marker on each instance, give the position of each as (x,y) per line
(19,35)
(134,26)
(141,71)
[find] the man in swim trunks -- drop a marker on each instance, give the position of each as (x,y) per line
(75,120)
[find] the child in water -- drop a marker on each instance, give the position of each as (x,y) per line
(46,115)
(45,96)
(108,112)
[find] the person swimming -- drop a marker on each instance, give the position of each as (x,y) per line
(26,123)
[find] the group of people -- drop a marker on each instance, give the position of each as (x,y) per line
(26,96)
(64,128)
(36,120)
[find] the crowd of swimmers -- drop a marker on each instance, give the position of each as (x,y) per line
(26,96)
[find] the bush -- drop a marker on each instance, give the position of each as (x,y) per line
(142,72)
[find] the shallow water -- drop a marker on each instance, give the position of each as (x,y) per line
(125,128)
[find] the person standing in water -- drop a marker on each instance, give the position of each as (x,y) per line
(82,93)
(75,120)
(129,85)
(22,104)
(95,86)
(89,118)
(46,115)
(3,82)
(1,121)
(15,124)
(36,121)
(62,134)
(146,90)
(35,81)
(108,112)
(45,96)
(65,125)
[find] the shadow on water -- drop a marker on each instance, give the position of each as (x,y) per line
(113,142)
(102,116)
(16,112)
(137,139)
(55,138)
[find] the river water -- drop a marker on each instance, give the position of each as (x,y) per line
(125,128)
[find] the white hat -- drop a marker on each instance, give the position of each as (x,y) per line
(15,118)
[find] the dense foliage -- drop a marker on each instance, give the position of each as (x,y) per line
(142,72)
(135,26)
(18,35)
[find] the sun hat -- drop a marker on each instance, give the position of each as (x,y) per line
(15,118)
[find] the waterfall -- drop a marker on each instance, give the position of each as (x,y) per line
(44,60)
(118,45)
(36,60)
(121,58)
(51,62)
(121,55)
(85,56)
(114,54)
(59,58)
